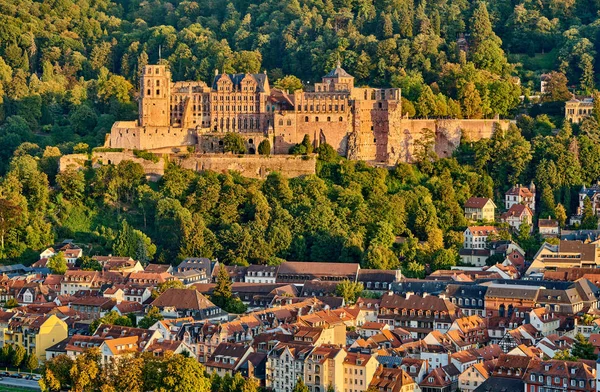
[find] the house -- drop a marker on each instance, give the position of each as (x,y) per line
(92,307)
(560,375)
(578,108)
(261,274)
(567,254)
(323,368)
(197,263)
(475,237)
(369,329)
(160,347)
(159,268)
(480,209)
(190,277)
(359,370)
(548,227)
(474,376)
(177,303)
(227,358)
(438,381)
(519,194)
(119,264)
(468,298)
(285,365)
(35,333)
(378,280)
(114,349)
(416,314)
(517,215)
(299,272)
(544,321)
(393,380)
(552,344)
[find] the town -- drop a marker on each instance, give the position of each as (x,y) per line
(512,325)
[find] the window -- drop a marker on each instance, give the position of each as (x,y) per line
(306,119)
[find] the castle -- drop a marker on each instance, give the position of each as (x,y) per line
(359,122)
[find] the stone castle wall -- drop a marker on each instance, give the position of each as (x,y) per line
(128,135)
(253,166)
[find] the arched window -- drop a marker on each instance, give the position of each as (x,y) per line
(280,122)
(341,119)
(306,119)
(328,119)
(316,119)
(289,122)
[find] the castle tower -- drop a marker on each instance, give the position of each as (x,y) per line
(155,96)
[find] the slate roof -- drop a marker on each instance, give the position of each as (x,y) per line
(183,299)
(236,79)
(477,202)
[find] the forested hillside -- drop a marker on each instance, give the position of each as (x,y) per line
(68,70)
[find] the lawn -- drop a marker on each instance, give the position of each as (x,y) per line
(6,388)
(543,62)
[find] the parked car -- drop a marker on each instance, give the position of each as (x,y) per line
(4,374)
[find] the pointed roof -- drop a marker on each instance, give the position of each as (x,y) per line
(338,72)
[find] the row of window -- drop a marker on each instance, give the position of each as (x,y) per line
(323,107)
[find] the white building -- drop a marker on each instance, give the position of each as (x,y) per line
(475,237)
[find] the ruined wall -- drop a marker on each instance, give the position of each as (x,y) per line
(448,134)
(127,135)
(254,166)
(213,142)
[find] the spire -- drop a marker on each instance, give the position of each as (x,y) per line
(339,64)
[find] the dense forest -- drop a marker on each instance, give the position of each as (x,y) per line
(68,70)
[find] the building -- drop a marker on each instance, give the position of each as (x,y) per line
(299,272)
(548,227)
(323,368)
(593,193)
(416,314)
(517,215)
(567,254)
(285,365)
(474,376)
(36,333)
(393,380)
(177,303)
(480,209)
(261,274)
(476,237)
(519,194)
(228,358)
(577,109)
(359,370)
(555,375)
(359,122)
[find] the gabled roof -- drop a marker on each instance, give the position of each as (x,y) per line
(236,79)
(477,202)
(517,210)
(482,230)
(183,299)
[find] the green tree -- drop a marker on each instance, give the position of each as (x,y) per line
(556,88)
(300,386)
(11,216)
(111,318)
(583,348)
(152,316)
(164,286)
(471,101)
(349,290)
(222,292)
(57,264)
(264,147)
(234,143)
(589,220)
(561,214)
(289,83)
(11,303)
(18,355)
(32,362)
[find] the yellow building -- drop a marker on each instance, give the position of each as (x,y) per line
(578,109)
(358,371)
(36,333)
(323,369)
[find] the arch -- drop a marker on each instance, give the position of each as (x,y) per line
(251,150)
(328,119)
(250,141)
(281,122)
(341,119)
(305,118)
(316,119)
(289,122)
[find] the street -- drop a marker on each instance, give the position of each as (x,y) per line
(17,382)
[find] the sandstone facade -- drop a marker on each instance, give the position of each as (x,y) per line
(359,122)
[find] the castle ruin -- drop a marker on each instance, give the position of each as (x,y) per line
(361,123)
